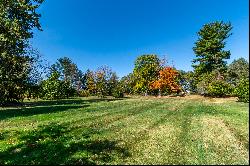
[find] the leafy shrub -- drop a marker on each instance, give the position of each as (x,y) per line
(219,88)
(84,93)
(53,88)
(118,92)
(242,90)
(206,79)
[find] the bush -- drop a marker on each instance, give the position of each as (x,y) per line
(219,88)
(206,79)
(242,90)
(84,93)
(118,92)
(53,88)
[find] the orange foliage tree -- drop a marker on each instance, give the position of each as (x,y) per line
(166,81)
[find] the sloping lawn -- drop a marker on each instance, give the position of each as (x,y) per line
(136,130)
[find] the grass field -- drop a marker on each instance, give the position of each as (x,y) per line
(136,130)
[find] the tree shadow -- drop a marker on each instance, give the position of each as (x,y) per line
(54,102)
(36,110)
(52,144)
(49,106)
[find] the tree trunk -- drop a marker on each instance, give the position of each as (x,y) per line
(159,93)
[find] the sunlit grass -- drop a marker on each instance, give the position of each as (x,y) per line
(135,130)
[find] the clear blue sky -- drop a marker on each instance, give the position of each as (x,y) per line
(114,32)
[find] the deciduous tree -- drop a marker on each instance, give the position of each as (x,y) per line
(146,70)
(167,81)
(17,19)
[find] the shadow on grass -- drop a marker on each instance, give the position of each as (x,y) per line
(9,113)
(55,102)
(49,106)
(51,144)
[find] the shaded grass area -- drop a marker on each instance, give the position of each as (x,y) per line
(125,131)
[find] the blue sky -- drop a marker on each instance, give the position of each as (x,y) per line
(114,32)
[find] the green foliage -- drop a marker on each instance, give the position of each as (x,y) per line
(146,70)
(211,85)
(128,82)
(209,47)
(17,20)
(84,93)
(206,79)
(33,91)
(105,80)
(69,72)
(187,81)
(53,88)
(101,81)
(237,70)
(219,88)
(13,78)
(112,83)
(90,82)
(118,91)
(242,90)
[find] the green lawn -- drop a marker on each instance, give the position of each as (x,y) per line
(137,130)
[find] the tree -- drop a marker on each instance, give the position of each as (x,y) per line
(38,69)
(101,84)
(242,90)
(54,88)
(237,70)
(69,72)
(167,81)
(17,19)
(209,51)
(112,83)
(146,70)
(90,82)
(127,83)
(66,68)
(106,80)
(187,81)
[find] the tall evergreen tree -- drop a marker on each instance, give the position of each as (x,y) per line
(208,49)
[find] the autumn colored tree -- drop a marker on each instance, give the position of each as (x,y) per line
(146,70)
(166,81)
(106,81)
(90,82)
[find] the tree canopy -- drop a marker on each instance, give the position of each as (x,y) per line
(209,47)
(146,70)
(17,20)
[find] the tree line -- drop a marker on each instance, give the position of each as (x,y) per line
(24,75)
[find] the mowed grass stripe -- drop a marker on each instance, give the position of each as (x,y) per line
(131,131)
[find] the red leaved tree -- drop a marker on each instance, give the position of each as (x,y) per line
(166,81)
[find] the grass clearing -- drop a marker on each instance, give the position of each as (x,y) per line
(134,130)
